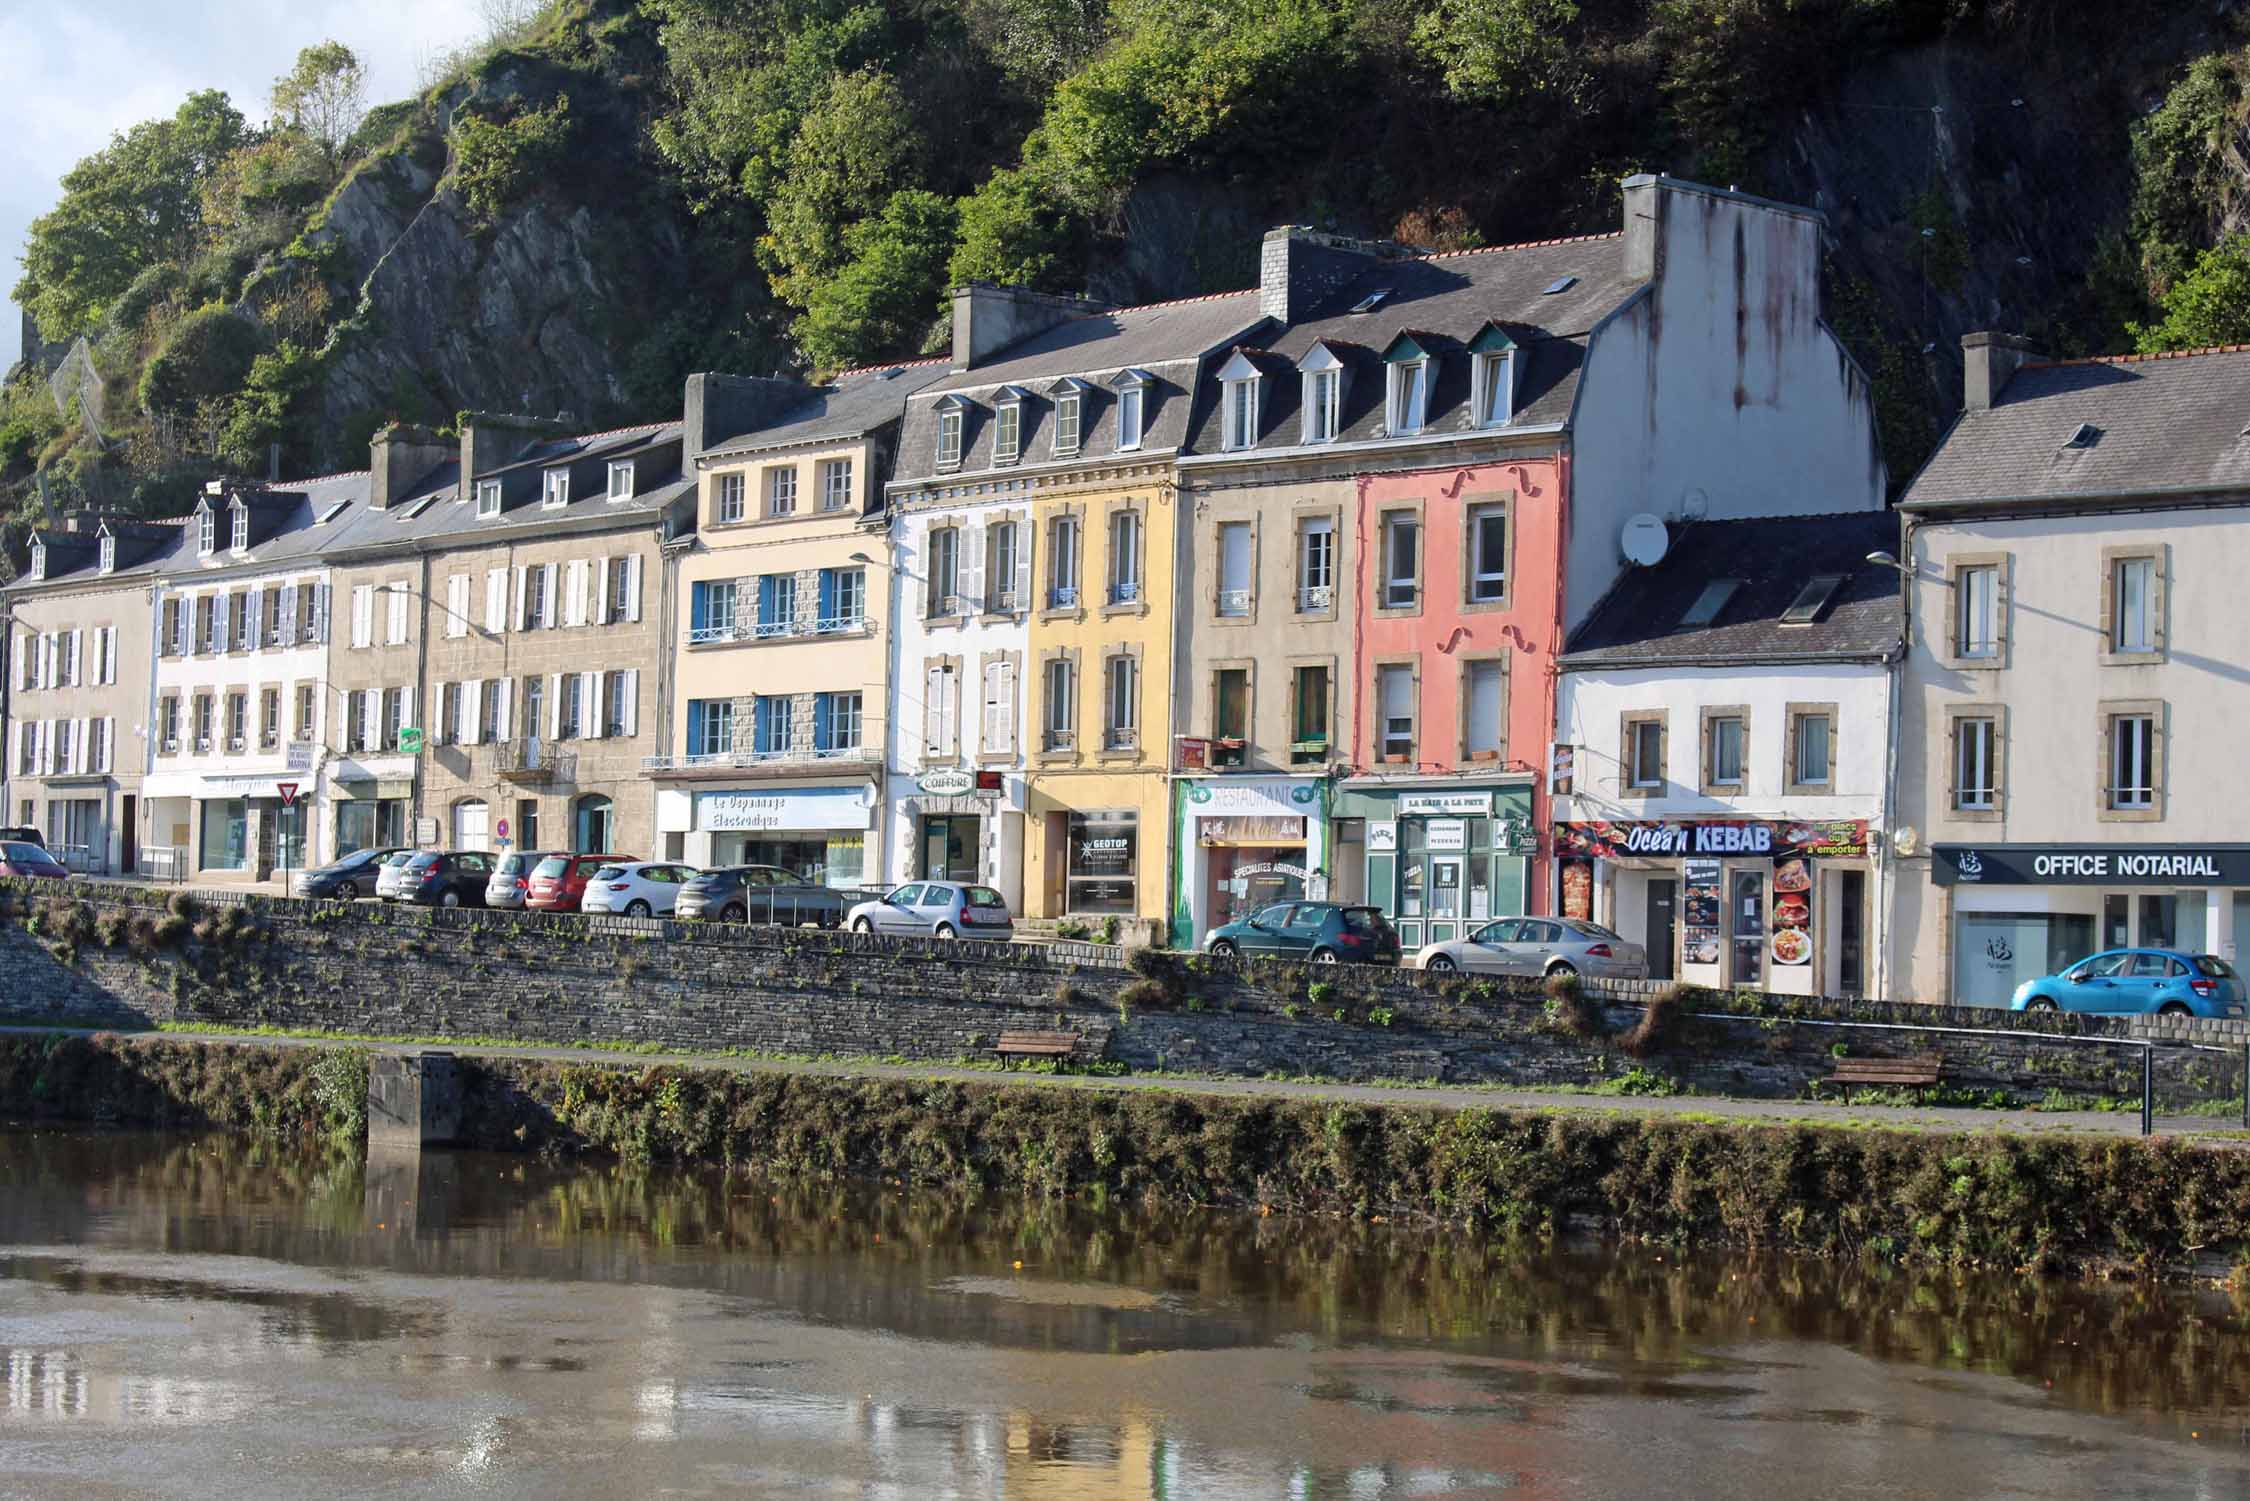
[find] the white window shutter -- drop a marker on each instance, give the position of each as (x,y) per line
(632,568)
(969,567)
(1023,566)
(472,711)
(601,591)
(23,648)
(933,711)
(554,706)
(394,625)
(363,615)
(374,720)
(109,743)
(320,612)
(457,604)
(504,711)
(73,659)
(988,733)
(953,713)
(632,690)
(574,597)
(405,710)
(287,619)
(589,706)
(495,600)
(515,610)
(255,621)
(47,747)
(547,599)
(109,655)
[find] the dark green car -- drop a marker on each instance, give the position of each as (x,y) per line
(1311,932)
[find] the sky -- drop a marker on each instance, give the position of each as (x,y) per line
(75,72)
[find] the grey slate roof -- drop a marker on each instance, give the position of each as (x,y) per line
(1638,623)
(283,530)
(854,404)
(75,557)
(1445,300)
(1166,339)
(2163,423)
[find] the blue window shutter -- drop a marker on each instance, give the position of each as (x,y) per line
(695,723)
(762,723)
(765,602)
(827,594)
(823,705)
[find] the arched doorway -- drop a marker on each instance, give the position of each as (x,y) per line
(590,825)
(472,824)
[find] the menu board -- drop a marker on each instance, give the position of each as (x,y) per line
(1792,910)
(1699,906)
(1578,889)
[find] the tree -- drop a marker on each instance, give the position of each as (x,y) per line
(1498,51)
(133,204)
(854,150)
(1016,233)
(324,97)
(2209,304)
(883,302)
(205,356)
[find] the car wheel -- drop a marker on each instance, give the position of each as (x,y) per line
(1440,964)
(945,931)
(734,914)
(2041,1003)
(636,908)
(1224,949)
(1324,956)
(450,899)
(1561,970)
(863,925)
(348,890)
(2174,1008)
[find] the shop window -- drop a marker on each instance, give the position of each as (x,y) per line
(1308,712)
(1976,781)
(1316,565)
(1234,569)
(1402,560)
(1103,862)
(1488,555)
(226,834)
(1484,709)
(1058,720)
(1394,698)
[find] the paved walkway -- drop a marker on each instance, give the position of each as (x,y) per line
(2217,1130)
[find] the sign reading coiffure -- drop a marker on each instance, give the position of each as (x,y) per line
(2090,864)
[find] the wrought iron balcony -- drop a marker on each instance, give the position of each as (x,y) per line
(1315,599)
(796,757)
(1234,602)
(533,761)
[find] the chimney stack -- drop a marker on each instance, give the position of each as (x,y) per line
(1988,362)
(987,319)
(491,439)
(715,408)
(397,457)
(1299,265)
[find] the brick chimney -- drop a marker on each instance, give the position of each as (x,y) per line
(1988,362)
(398,457)
(1299,265)
(987,319)
(491,439)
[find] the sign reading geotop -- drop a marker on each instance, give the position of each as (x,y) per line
(2090,864)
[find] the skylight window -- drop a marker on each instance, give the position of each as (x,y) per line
(333,512)
(1812,599)
(2086,436)
(1372,300)
(1710,602)
(1560,284)
(418,507)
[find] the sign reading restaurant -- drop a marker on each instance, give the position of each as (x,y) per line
(2090,864)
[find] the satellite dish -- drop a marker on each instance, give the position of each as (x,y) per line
(1904,840)
(1644,540)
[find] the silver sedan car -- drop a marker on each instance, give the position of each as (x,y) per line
(936,909)
(1535,947)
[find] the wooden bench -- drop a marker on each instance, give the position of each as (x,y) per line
(1888,1073)
(1036,1044)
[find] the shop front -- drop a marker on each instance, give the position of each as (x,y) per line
(2019,911)
(1439,860)
(1245,843)
(1766,904)
(820,834)
(227,825)
(1096,849)
(372,813)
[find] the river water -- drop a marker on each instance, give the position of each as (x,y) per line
(214,1317)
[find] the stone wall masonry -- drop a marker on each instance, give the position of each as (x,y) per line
(421,972)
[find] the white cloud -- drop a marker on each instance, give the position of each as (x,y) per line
(72,75)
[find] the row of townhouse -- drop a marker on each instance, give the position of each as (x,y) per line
(1153,614)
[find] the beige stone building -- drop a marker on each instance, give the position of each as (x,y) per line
(496,647)
(78,655)
(781,644)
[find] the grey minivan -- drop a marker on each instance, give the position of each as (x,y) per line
(936,909)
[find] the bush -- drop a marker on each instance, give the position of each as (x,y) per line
(207,353)
(1149,995)
(1571,1012)
(184,904)
(496,163)
(1660,1026)
(148,291)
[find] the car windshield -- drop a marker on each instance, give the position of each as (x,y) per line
(1589,929)
(2214,966)
(1362,919)
(401,858)
(422,862)
(553,865)
(985,896)
(510,865)
(26,854)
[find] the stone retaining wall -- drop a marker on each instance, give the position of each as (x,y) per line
(412,972)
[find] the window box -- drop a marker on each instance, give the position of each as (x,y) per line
(1227,752)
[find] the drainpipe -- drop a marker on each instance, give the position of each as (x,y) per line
(1886,856)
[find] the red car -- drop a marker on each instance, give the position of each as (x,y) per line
(30,860)
(558,883)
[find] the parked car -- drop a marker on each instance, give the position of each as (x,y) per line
(447,878)
(21,858)
(22,834)
(1316,932)
(347,878)
(2162,982)
(636,888)
(1536,946)
(761,894)
(558,882)
(390,876)
(510,885)
(937,909)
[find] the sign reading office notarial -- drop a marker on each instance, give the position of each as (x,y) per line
(2090,864)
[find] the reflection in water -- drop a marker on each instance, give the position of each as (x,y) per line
(271,1320)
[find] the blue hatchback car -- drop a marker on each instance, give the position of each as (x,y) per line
(2133,982)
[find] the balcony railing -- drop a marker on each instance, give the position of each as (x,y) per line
(1234,601)
(1063,597)
(775,760)
(946,606)
(1060,740)
(1125,592)
(1121,740)
(776,630)
(703,635)
(533,761)
(1313,599)
(1003,602)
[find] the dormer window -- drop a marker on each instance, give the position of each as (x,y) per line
(1007,425)
(39,560)
(206,532)
(241,540)
(621,481)
(488,498)
(1493,377)
(952,412)
(556,493)
(1132,406)
(1238,403)
(1409,394)
(1070,416)
(1323,401)
(108,562)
